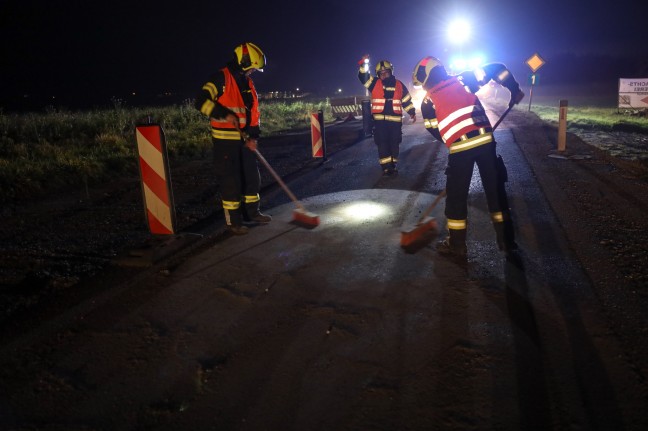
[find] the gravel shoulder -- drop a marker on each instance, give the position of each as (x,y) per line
(601,200)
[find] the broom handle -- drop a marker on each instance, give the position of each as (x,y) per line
(429,209)
(443,193)
(279,180)
(502,117)
(283,185)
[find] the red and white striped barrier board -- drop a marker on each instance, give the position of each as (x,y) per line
(156,182)
(316,136)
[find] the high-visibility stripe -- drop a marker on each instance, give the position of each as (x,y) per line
(231,205)
(497,217)
(155,224)
(149,149)
(226,134)
(154,182)
(431,124)
(211,88)
(471,143)
(381,117)
(249,199)
(157,210)
(456,224)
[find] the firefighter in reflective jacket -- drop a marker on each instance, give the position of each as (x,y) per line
(389,99)
(453,114)
(230,101)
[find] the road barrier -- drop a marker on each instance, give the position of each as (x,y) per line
(317,135)
(157,193)
(346,108)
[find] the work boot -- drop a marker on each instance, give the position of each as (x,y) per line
(253,215)
(505,236)
(234,221)
(454,245)
(238,229)
(261,218)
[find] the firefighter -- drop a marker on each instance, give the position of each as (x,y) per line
(453,114)
(230,101)
(389,99)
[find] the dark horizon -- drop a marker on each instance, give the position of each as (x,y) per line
(83,55)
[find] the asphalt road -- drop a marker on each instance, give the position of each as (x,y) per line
(337,327)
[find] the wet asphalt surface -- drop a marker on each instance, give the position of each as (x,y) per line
(338,327)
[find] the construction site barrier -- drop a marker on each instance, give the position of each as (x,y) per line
(317,135)
(346,108)
(157,193)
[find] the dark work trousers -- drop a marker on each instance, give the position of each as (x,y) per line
(388,136)
(459,173)
(237,170)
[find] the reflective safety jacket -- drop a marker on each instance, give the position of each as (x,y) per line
(225,94)
(453,114)
(389,97)
(461,118)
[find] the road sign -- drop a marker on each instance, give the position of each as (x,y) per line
(535,62)
(533,79)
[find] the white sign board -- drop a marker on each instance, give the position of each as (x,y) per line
(633,93)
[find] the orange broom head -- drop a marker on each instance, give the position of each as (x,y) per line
(305,218)
(424,230)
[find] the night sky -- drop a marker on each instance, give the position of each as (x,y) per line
(82,51)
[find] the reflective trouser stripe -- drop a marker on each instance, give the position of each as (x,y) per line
(252,199)
(231,205)
(456,224)
(497,217)
(386,160)
(380,117)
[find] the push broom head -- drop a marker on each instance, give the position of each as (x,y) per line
(423,233)
(305,218)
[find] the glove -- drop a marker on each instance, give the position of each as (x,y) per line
(413,118)
(516,98)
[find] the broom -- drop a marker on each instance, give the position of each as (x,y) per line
(430,225)
(424,225)
(300,215)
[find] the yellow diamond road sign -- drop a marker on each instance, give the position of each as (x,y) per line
(535,62)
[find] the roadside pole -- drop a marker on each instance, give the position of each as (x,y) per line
(534,62)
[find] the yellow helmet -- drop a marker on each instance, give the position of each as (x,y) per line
(428,72)
(384,65)
(249,56)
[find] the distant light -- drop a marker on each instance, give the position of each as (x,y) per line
(339,90)
(458,31)
(476,62)
(133,93)
(466,63)
(458,64)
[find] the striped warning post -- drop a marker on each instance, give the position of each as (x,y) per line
(316,136)
(156,182)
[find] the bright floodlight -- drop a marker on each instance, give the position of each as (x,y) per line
(363,211)
(458,31)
